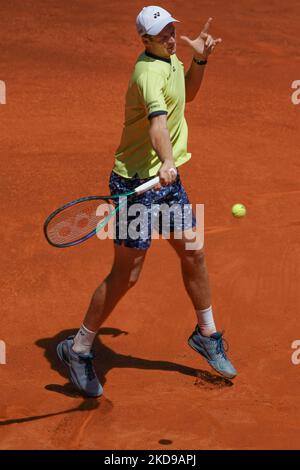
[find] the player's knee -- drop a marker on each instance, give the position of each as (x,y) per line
(127,280)
(193,258)
(133,278)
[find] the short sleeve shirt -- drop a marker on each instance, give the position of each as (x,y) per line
(157,86)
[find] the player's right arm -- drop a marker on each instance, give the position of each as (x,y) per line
(151,86)
(161,143)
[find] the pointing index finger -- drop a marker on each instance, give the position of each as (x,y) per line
(207,25)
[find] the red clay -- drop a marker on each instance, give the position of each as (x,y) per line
(66,70)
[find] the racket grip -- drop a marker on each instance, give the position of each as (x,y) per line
(148,185)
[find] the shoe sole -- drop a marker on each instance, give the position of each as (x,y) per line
(195,348)
(75,383)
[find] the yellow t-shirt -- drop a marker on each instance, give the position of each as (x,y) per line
(157,86)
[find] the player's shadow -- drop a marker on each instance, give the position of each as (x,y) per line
(86,405)
(107,359)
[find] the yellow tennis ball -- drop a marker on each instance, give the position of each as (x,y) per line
(238,210)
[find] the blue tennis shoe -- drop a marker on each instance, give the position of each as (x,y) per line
(212,349)
(81,369)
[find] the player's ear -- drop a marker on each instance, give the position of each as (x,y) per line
(146,39)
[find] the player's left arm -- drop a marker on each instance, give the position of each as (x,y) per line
(202,47)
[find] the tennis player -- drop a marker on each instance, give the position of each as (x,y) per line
(154,141)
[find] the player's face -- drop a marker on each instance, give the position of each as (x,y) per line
(164,43)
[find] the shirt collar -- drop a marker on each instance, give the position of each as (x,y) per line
(148,54)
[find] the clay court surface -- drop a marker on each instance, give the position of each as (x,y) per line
(66,70)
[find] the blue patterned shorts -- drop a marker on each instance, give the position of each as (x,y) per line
(171,200)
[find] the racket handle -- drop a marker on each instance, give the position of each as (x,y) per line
(148,185)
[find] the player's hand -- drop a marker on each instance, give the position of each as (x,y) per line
(167,173)
(204,44)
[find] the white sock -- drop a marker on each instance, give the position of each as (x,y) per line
(206,321)
(83,340)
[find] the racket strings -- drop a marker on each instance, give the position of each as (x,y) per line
(78,221)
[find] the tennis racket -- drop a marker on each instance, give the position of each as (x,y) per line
(78,221)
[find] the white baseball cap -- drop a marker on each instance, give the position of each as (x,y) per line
(151,20)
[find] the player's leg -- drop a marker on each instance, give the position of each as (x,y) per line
(176,216)
(128,263)
(196,280)
(205,339)
(76,352)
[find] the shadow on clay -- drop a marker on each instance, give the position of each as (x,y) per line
(107,359)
